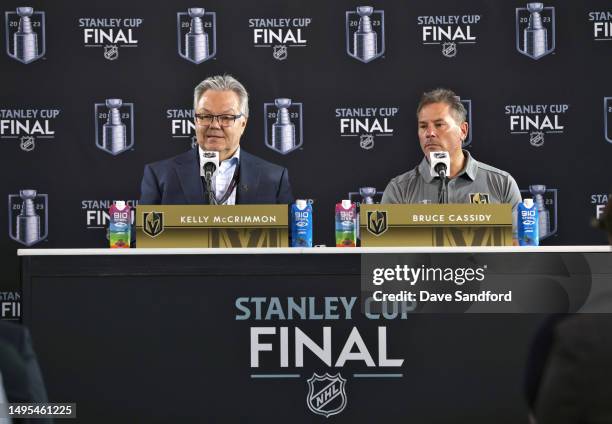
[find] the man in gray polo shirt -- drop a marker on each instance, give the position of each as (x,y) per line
(443,127)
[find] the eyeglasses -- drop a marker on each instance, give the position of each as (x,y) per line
(223,120)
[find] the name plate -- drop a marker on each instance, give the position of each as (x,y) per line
(212,226)
(436,225)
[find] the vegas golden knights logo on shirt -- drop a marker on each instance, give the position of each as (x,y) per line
(377,222)
(153,223)
(479,198)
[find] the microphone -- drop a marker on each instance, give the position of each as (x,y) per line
(439,164)
(210,163)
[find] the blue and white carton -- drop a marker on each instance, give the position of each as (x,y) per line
(527,221)
(301,224)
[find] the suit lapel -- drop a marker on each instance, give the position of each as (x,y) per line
(249,180)
(188,173)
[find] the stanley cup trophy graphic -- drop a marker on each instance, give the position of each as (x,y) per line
(114,134)
(25,40)
(535,37)
(28,223)
(538,192)
(367,195)
(196,40)
(283,130)
(365,39)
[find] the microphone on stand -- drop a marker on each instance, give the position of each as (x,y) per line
(439,165)
(210,163)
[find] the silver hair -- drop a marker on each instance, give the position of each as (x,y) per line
(223,83)
(444,95)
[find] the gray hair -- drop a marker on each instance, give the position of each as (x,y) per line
(444,95)
(223,83)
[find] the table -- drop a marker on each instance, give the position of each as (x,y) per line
(173,335)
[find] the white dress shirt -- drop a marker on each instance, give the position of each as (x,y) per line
(223,175)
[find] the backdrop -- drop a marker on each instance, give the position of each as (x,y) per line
(535,80)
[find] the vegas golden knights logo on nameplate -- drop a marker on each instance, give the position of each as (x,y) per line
(475,236)
(245,237)
(153,223)
(377,222)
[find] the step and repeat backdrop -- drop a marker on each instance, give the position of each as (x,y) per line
(534,77)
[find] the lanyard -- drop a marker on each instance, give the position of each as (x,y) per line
(232,185)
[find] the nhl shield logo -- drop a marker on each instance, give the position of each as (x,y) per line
(536,138)
(114,126)
(111,52)
(283,125)
(535,30)
(326,394)
(608,118)
(467,104)
(153,223)
(28,217)
(365,33)
(366,141)
(280,52)
(25,34)
(449,49)
(27,143)
(197,34)
(377,222)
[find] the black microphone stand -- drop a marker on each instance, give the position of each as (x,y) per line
(208,186)
(442,189)
(212,199)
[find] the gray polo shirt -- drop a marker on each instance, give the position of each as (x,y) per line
(476,183)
